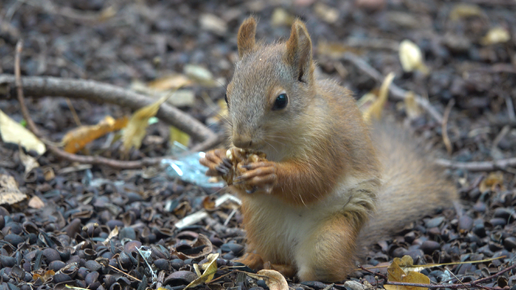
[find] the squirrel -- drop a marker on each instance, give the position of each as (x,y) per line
(330,184)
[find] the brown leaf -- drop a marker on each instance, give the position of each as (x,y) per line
(493,181)
(202,243)
(36,202)
(76,139)
(9,192)
(273,279)
(208,203)
(396,274)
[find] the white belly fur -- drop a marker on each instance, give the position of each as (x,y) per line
(278,228)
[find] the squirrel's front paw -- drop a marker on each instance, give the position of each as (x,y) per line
(217,162)
(259,175)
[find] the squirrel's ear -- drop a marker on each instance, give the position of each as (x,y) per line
(299,52)
(246,35)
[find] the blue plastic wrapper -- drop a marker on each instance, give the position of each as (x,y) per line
(188,169)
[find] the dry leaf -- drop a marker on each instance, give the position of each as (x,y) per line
(280,17)
(44,276)
(273,279)
(411,57)
(177,135)
(107,13)
(396,274)
(111,235)
(492,182)
(9,192)
(202,243)
(213,23)
(168,82)
(36,202)
(210,267)
(49,174)
(28,161)
(335,50)
(375,110)
(464,10)
(79,137)
(135,131)
(200,75)
(13,132)
(326,13)
(178,98)
(495,35)
(411,107)
(366,101)
(208,203)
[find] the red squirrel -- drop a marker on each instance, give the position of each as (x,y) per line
(330,184)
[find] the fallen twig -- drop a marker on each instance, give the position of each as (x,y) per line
(478,166)
(104,93)
(49,85)
(446,140)
(396,92)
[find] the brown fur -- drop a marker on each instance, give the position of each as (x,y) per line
(323,176)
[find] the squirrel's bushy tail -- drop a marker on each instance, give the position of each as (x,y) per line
(413,186)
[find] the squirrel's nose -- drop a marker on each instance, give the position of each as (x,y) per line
(242,142)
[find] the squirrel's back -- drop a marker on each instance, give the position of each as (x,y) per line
(412,185)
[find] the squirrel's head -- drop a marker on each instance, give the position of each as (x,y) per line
(271,89)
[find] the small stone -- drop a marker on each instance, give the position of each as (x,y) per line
(13,239)
(428,247)
(51,255)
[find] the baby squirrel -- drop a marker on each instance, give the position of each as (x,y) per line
(330,184)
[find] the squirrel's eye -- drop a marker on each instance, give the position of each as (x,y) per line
(280,102)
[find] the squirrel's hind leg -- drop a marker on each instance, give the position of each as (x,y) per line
(327,254)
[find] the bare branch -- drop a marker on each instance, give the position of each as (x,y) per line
(105,93)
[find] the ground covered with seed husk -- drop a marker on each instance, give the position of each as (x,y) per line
(64,232)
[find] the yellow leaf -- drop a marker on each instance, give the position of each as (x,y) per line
(464,10)
(28,161)
(171,81)
(135,130)
(200,75)
(366,101)
(177,135)
(79,137)
(411,57)
(13,132)
(396,274)
(9,192)
(492,181)
(375,110)
(280,17)
(326,13)
(495,35)
(210,267)
(411,107)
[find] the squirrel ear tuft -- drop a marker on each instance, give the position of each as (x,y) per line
(246,35)
(299,52)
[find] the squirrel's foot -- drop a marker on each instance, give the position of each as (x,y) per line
(284,269)
(251,260)
(261,175)
(217,162)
